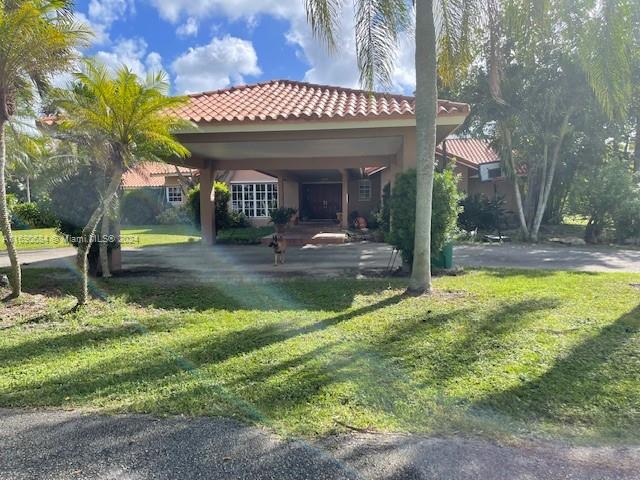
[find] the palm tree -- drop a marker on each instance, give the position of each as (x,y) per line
(37,38)
(130,120)
(443,48)
(599,35)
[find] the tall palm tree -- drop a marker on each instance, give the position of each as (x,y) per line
(130,120)
(443,30)
(37,39)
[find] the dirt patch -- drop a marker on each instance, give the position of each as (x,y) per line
(31,307)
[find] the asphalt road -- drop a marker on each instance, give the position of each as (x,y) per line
(54,445)
(329,260)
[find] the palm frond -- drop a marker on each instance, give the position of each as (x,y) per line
(323,17)
(379,27)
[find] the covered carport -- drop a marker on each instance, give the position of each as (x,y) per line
(292,130)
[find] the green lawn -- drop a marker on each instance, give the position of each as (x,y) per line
(140,236)
(497,352)
(132,236)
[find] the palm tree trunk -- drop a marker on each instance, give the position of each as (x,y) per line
(104,245)
(426,110)
(516,186)
(547,184)
(89,231)
(28,184)
(5,224)
(636,151)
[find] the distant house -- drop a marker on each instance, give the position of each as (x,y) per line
(160,176)
(480,169)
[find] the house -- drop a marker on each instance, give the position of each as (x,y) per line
(331,149)
(480,169)
(159,176)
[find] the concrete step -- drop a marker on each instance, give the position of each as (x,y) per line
(319,238)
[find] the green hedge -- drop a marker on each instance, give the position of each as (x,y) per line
(403,211)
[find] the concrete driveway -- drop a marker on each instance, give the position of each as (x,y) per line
(50,445)
(346,259)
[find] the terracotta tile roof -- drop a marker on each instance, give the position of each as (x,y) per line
(151,174)
(475,151)
(291,100)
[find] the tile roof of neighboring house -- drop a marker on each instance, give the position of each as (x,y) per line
(472,150)
(291,100)
(151,174)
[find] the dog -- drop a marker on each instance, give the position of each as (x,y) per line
(279,245)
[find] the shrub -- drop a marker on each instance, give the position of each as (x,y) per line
(222,197)
(282,215)
(31,215)
(482,213)
(238,220)
(180,215)
(142,206)
(72,202)
(608,195)
(403,211)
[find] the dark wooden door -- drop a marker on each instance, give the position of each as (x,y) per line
(321,201)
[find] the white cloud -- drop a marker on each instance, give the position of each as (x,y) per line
(131,52)
(224,61)
(188,28)
(337,69)
(99,30)
(108,11)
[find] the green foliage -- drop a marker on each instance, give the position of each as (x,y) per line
(482,213)
(72,203)
(141,206)
(126,118)
(31,215)
(282,215)
(224,218)
(546,354)
(608,194)
(243,235)
(403,211)
(178,215)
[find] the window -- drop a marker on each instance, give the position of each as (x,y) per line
(495,172)
(254,199)
(174,195)
(364,190)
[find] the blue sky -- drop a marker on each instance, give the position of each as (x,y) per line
(211,44)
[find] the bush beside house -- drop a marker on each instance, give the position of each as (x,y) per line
(225,218)
(403,208)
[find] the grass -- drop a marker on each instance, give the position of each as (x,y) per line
(132,236)
(140,236)
(498,352)
(244,236)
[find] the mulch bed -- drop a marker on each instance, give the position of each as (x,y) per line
(31,308)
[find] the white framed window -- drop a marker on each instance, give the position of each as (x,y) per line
(490,171)
(174,195)
(254,199)
(364,190)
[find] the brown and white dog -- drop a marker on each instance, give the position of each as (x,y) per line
(279,245)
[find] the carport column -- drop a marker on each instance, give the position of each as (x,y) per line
(207,210)
(280,190)
(345,198)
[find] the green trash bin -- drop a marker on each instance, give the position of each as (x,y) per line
(444,258)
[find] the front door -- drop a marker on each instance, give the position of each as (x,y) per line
(321,201)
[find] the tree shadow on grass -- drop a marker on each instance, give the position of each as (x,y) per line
(595,385)
(266,295)
(123,376)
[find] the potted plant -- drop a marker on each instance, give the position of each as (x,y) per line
(281,217)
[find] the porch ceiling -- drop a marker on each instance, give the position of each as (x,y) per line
(303,148)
